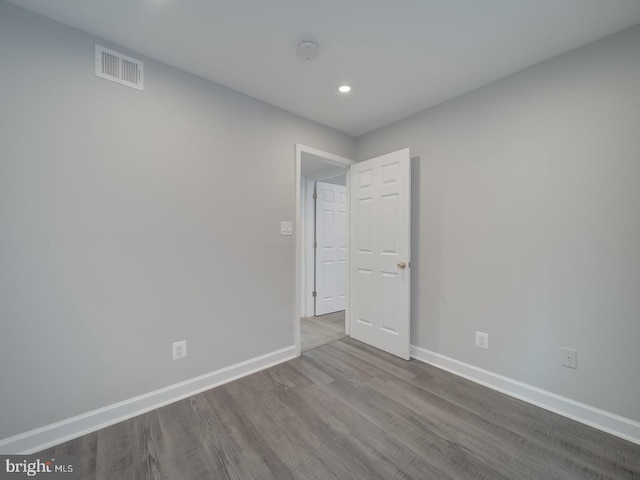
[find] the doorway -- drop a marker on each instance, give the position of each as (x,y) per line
(312,165)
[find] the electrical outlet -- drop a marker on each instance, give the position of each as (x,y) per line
(482,340)
(179,349)
(286,228)
(569,358)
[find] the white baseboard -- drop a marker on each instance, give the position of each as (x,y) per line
(594,417)
(55,433)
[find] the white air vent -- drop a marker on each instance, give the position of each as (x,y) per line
(119,68)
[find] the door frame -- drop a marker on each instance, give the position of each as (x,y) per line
(301,235)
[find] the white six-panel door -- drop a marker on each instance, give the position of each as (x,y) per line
(331,249)
(379,276)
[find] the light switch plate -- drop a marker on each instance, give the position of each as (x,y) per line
(286,228)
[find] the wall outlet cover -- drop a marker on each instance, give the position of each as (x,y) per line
(569,358)
(482,340)
(179,349)
(286,228)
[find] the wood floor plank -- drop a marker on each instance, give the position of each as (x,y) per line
(336,318)
(402,425)
(483,441)
(348,411)
(315,332)
(375,363)
(334,443)
(313,373)
(253,425)
(86,448)
(533,423)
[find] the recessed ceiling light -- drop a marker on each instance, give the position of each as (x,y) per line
(344,88)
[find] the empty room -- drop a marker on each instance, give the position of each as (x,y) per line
(167,175)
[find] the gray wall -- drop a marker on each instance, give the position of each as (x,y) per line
(528,223)
(129,220)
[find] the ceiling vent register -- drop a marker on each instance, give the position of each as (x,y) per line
(119,68)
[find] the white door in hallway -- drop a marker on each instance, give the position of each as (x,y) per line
(331,250)
(380,219)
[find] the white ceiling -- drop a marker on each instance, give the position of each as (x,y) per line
(400,56)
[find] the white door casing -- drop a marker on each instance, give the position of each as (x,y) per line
(302,265)
(331,248)
(379,280)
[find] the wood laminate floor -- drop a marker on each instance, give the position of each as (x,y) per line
(336,318)
(316,331)
(347,411)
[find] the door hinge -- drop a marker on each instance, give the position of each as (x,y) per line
(315,196)
(315,245)
(314,294)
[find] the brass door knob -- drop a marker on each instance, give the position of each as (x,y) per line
(402,265)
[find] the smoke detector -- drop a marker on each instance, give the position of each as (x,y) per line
(307,50)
